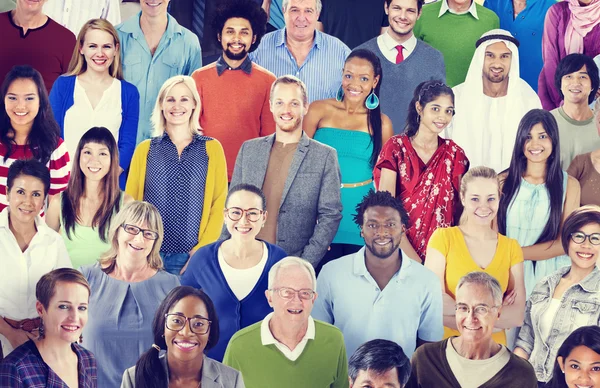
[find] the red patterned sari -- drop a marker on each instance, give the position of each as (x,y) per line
(427,191)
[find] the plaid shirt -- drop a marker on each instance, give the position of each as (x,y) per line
(24,367)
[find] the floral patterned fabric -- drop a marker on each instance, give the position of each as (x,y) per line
(427,191)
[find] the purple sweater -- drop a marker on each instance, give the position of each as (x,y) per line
(553,50)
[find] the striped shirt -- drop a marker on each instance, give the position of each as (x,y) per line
(73,14)
(25,368)
(321,71)
(175,184)
(59,166)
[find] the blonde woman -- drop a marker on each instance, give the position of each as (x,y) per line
(182,173)
(475,246)
(128,285)
(94,94)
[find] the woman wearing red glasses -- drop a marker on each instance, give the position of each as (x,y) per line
(234,272)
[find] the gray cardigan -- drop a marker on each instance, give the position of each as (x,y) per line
(214,374)
(310,209)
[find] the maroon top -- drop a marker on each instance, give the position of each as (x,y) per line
(47,49)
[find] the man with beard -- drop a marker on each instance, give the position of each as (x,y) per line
(491,102)
(405,60)
(379,292)
(300,178)
(235,91)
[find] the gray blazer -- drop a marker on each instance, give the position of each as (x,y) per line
(214,374)
(311,209)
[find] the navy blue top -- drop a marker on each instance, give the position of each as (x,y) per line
(528,28)
(205,272)
(175,185)
(25,367)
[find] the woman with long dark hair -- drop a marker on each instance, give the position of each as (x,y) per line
(28,129)
(578,360)
(83,212)
(537,196)
(185,326)
(353,124)
(422,169)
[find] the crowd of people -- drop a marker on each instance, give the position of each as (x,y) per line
(347,194)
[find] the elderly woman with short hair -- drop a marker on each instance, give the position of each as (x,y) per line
(566,299)
(128,285)
(473,359)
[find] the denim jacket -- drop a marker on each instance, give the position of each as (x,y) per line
(580,306)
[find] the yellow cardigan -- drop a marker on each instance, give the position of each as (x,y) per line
(215,191)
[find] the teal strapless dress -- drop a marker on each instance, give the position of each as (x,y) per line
(354,150)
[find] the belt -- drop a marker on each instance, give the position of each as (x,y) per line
(28,325)
(359,184)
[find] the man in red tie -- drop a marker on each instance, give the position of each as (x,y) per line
(405,60)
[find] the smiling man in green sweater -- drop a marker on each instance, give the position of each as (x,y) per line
(288,348)
(453,27)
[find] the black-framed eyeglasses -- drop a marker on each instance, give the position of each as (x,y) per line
(236,214)
(289,293)
(579,238)
(176,322)
(147,233)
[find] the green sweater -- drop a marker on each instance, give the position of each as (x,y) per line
(322,364)
(455,36)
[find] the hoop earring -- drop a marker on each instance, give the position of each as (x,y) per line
(372,101)
(81,338)
(340,94)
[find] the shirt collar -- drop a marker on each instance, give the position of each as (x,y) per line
(267,338)
(246,66)
(360,266)
(132,26)
(281,34)
(390,44)
(472,9)
(590,283)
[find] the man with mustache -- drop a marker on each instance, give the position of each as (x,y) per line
(235,91)
(378,292)
(491,102)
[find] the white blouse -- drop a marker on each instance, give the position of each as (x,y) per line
(81,116)
(242,281)
(20,271)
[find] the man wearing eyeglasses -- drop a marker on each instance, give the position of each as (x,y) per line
(300,177)
(379,292)
(473,359)
(289,348)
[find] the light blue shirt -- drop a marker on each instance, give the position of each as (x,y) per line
(321,71)
(409,307)
(276,18)
(178,53)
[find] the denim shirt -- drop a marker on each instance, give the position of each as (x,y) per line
(580,306)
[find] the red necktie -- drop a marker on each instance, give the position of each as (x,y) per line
(399,56)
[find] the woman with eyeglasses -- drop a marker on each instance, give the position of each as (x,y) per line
(234,272)
(566,299)
(182,173)
(128,284)
(185,326)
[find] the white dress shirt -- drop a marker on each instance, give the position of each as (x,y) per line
(73,14)
(445,8)
(80,117)
(20,271)
(267,338)
(387,45)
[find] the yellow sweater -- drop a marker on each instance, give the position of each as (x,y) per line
(215,191)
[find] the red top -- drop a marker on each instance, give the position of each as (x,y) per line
(47,49)
(427,191)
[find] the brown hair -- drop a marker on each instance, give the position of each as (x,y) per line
(78,64)
(46,286)
(589,214)
(136,213)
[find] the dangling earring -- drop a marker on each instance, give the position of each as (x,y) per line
(81,338)
(41,329)
(372,101)
(340,94)
(418,117)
